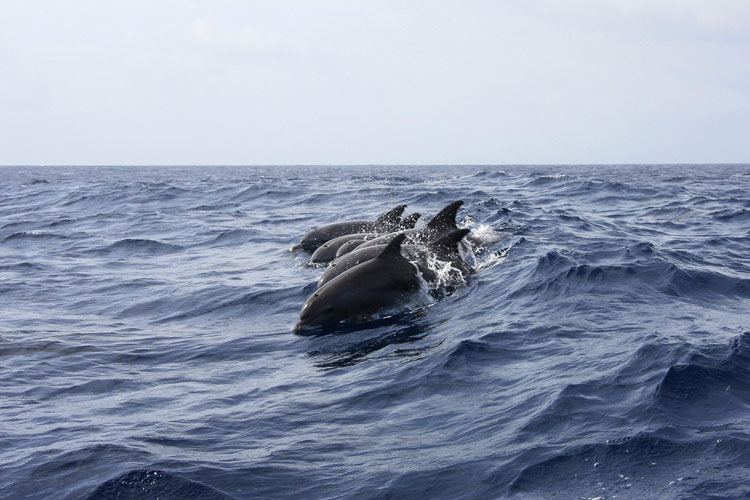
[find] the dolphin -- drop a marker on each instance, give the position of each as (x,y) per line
(442,223)
(329,250)
(407,223)
(387,222)
(410,221)
(382,282)
(348,247)
(444,248)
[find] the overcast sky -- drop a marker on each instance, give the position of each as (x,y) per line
(373,82)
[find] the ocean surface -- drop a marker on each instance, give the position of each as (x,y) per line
(601,351)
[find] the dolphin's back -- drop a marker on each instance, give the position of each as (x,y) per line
(316,237)
(347,261)
(328,250)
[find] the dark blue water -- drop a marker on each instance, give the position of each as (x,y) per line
(601,351)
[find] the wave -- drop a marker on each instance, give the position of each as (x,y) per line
(470,356)
(709,387)
(602,190)
(134,246)
(132,194)
(16,224)
(23,267)
(265,192)
(217,206)
(732,215)
(670,212)
(73,200)
(61,222)
(432,199)
(453,481)
(233,237)
(268,300)
(724,241)
(646,465)
(613,401)
(211,300)
(640,265)
(92,387)
(387,179)
(150,484)
(617,187)
(48,471)
(36,236)
(490,174)
(544,180)
(30,347)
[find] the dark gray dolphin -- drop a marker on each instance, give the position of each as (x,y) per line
(444,222)
(387,222)
(407,223)
(410,221)
(348,247)
(382,282)
(327,251)
(444,248)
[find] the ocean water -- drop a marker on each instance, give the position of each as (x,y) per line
(601,351)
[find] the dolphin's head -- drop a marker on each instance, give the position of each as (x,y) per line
(319,309)
(354,295)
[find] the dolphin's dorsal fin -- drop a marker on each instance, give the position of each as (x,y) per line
(393,249)
(410,221)
(449,241)
(392,216)
(445,220)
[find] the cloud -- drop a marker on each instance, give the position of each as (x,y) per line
(387,81)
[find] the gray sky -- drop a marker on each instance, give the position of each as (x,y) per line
(346,81)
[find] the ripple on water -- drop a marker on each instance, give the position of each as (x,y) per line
(147,349)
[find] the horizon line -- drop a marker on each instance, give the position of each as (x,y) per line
(659,164)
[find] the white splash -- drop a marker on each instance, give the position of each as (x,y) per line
(485,234)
